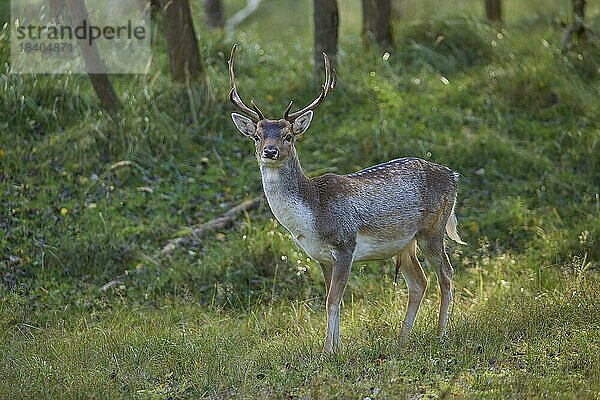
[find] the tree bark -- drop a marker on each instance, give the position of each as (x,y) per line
(213,9)
(93,61)
(377,27)
(578,16)
(577,27)
(326,20)
(493,10)
(182,45)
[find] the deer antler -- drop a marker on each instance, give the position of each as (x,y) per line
(326,88)
(253,112)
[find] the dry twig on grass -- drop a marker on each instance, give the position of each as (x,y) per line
(218,223)
(194,233)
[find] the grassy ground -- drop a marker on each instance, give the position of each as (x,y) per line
(240,313)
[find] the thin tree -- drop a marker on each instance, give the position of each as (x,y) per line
(241,15)
(326,21)
(493,10)
(182,45)
(577,26)
(213,9)
(93,61)
(377,27)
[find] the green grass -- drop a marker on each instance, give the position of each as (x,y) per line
(523,340)
(240,313)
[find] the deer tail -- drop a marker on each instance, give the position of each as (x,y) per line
(451,227)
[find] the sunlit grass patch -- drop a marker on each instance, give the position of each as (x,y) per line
(503,334)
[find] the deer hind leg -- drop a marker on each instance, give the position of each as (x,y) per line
(326,269)
(433,249)
(416,282)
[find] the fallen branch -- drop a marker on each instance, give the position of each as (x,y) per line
(241,15)
(218,223)
(119,164)
(193,233)
(121,278)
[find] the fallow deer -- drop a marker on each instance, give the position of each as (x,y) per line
(373,214)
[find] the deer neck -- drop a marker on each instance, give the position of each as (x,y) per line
(288,192)
(285,180)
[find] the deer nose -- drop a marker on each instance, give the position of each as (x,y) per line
(270,151)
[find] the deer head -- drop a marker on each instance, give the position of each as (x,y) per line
(275,138)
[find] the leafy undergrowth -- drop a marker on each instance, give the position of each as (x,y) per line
(87,197)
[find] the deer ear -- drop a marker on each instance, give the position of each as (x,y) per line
(302,123)
(244,124)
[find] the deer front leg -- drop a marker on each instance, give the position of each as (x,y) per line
(339,277)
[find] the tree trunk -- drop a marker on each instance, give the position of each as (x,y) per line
(377,27)
(93,62)
(182,44)
(493,10)
(577,27)
(326,21)
(213,10)
(578,16)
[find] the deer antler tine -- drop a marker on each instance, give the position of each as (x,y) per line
(255,107)
(327,71)
(287,110)
(230,65)
(235,97)
(330,74)
(333,79)
(326,88)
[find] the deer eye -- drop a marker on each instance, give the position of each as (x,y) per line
(288,137)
